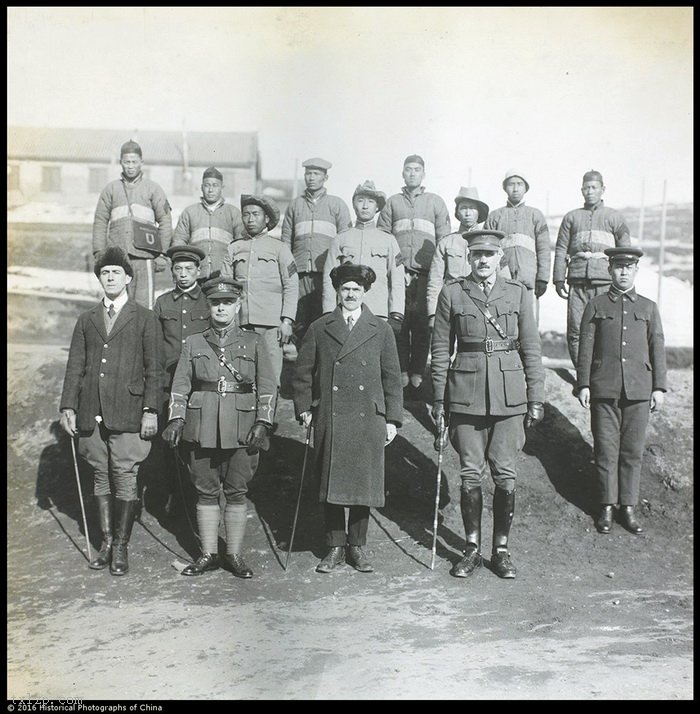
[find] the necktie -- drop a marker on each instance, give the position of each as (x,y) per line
(351,322)
(486,288)
(111,312)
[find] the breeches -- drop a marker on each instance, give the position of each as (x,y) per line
(117,455)
(481,440)
(210,469)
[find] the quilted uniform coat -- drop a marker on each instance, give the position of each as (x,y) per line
(499,384)
(351,380)
(215,421)
(114,376)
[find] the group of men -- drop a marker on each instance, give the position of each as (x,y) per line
(207,356)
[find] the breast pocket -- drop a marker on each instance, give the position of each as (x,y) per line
(508,314)
(468,323)
(239,262)
(245,366)
(348,254)
(267,261)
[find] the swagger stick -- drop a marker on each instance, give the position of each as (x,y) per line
(80,496)
(301,486)
(441,443)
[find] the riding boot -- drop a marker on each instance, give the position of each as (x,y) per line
(104,512)
(503,508)
(471,504)
(124,515)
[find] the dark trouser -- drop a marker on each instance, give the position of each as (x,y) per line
(619,427)
(234,468)
(580,294)
(413,341)
(310,305)
(485,439)
(141,289)
(358,522)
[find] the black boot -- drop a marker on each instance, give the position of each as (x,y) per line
(104,512)
(124,515)
(603,523)
(503,508)
(629,520)
(471,504)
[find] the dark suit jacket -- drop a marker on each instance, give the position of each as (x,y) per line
(116,375)
(621,347)
(351,380)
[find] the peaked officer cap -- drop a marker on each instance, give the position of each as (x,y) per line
(113,256)
(470,193)
(317,163)
(484,239)
(350,272)
(624,253)
(222,288)
(185,252)
(130,147)
(267,204)
(514,172)
(368,189)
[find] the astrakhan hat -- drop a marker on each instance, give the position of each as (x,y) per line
(350,272)
(113,256)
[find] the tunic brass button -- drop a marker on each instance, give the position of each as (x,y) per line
(106,345)
(361,388)
(102,374)
(184,311)
(335,389)
(104,360)
(362,414)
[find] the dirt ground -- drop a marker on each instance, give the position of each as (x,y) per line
(589,616)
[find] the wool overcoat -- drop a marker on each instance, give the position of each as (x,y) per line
(113,376)
(351,381)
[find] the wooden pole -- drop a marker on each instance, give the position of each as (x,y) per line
(662,240)
(641,220)
(295,190)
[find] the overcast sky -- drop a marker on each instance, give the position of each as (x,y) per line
(550,91)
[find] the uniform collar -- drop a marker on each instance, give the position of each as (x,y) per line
(594,208)
(614,294)
(193,292)
(409,193)
(313,197)
(515,205)
(362,226)
(247,236)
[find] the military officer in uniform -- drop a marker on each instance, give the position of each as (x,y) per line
(621,377)
(221,406)
(489,387)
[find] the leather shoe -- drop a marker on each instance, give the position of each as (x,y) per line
(205,562)
(336,555)
(469,563)
(629,520)
(604,521)
(236,565)
(358,559)
(501,563)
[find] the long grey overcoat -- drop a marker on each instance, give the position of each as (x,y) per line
(351,381)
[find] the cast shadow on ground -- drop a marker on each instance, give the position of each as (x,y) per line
(566,458)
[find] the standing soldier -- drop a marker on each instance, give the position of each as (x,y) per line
(111,394)
(526,249)
(211,224)
(310,223)
(494,377)
(621,378)
(451,258)
(133,214)
(347,383)
(365,244)
(266,268)
(221,406)
(584,236)
(418,220)
(181,312)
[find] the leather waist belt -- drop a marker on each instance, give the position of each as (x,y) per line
(224,387)
(489,346)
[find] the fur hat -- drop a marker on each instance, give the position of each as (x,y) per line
(349,272)
(113,256)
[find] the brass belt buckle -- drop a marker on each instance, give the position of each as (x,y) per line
(488,346)
(221,387)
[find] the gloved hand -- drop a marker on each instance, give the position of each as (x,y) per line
(562,290)
(173,432)
(258,438)
(149,425)
(535,414)
(438,411)
(390,433)
(160,263)
(305,418)
(540,288)
(67,422)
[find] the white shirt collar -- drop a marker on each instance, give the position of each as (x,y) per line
(118,302)
(355,314)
